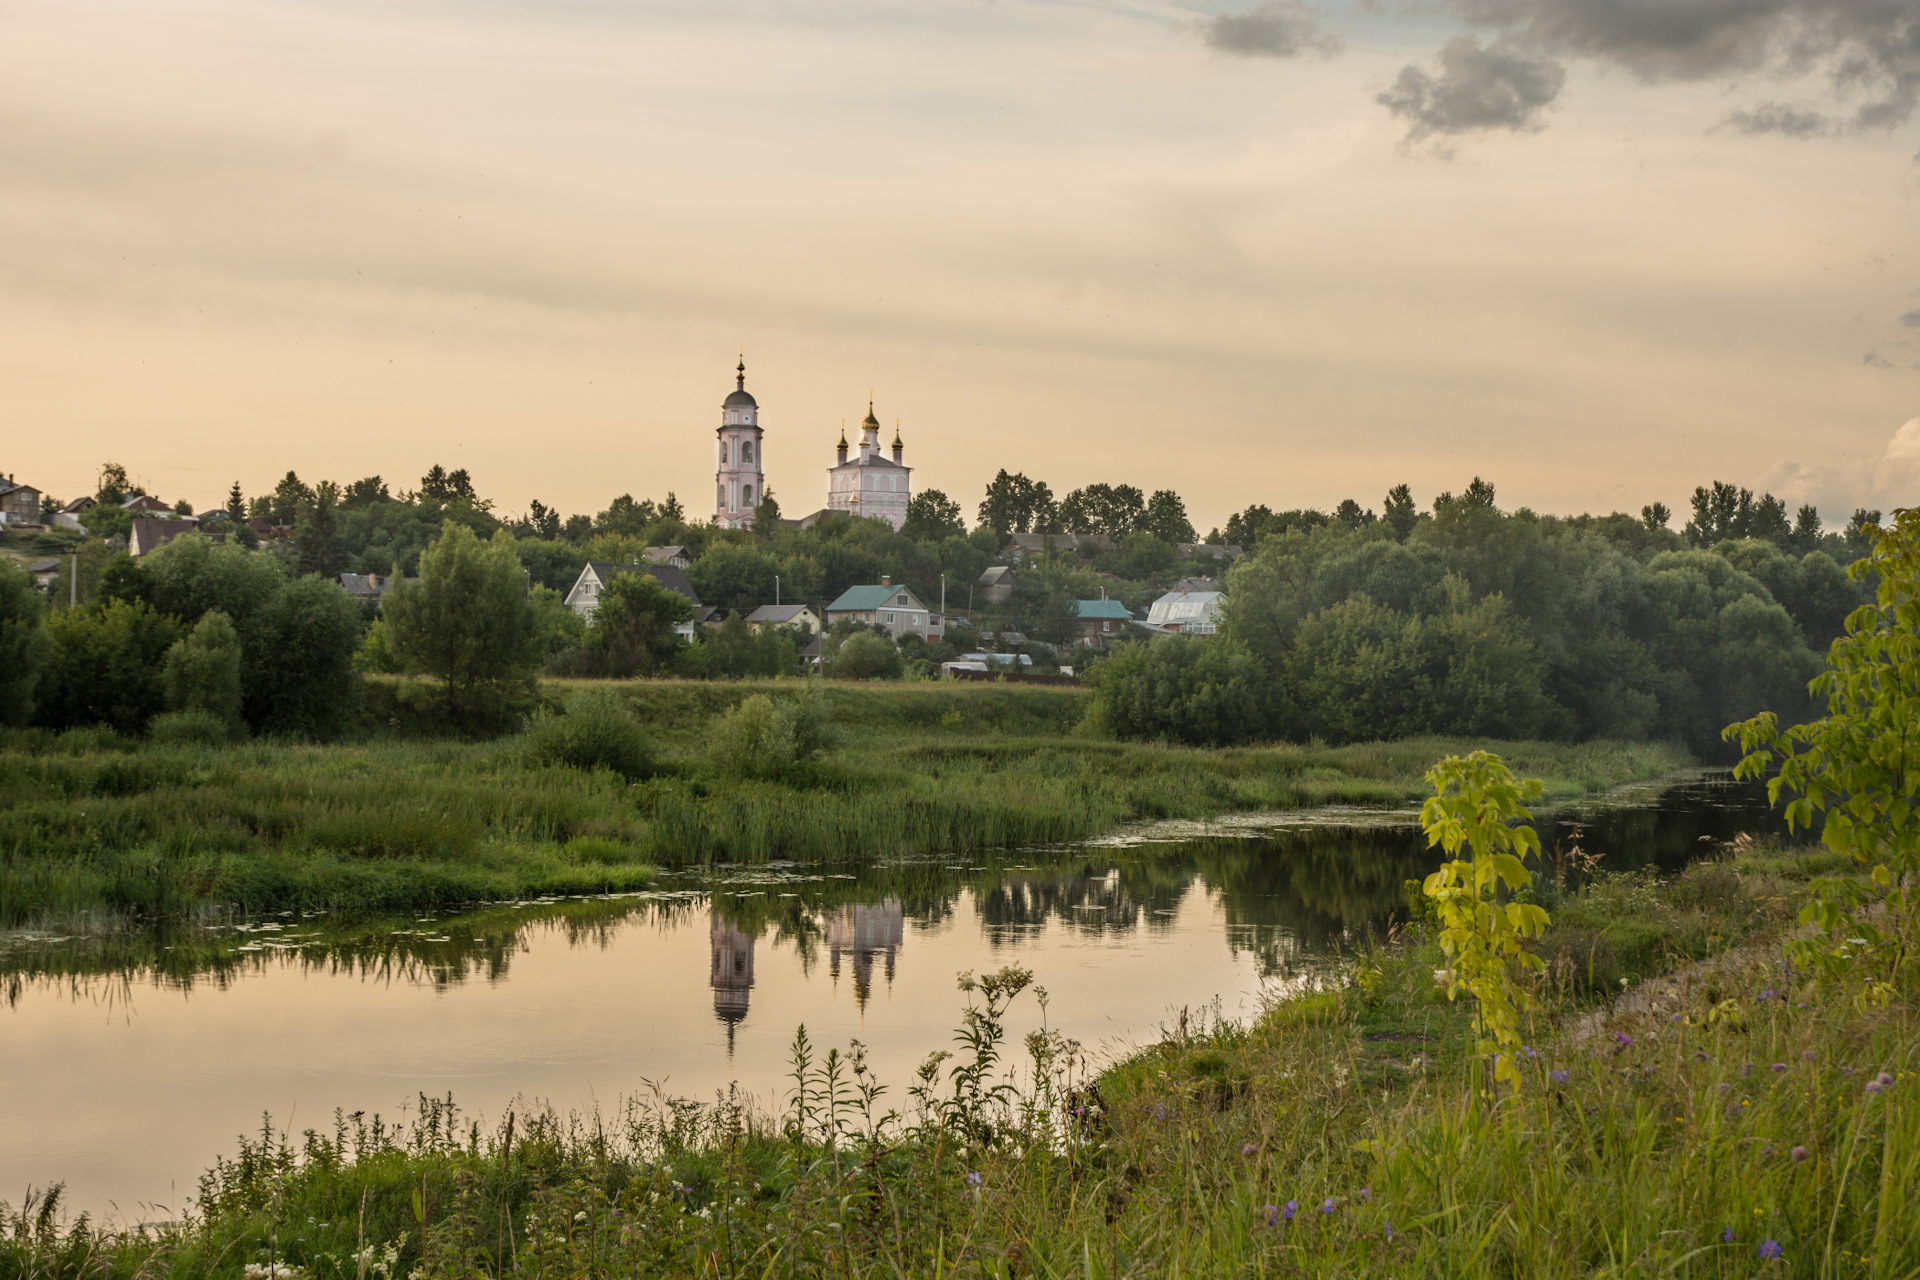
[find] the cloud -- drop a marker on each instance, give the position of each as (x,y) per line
(1911,319)
(1276,29)
(1479,87)
(1843,484)
(1877,360)
(1869,50)
(1780,118)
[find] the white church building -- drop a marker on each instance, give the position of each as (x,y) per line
(871,484)
(741,480)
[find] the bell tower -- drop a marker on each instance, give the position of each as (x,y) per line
(740,481)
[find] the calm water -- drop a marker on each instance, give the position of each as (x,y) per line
(127,1064)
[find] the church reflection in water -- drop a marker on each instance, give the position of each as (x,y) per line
(732,975)
(859,933)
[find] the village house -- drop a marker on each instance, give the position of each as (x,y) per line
(146,504)
(798,616)
(1101,621)
(1022,545)
(367,586)
(19,503)
(894,610)
(1193,613)
(996,584)
(45,571)
(594,579)
(675,556)
(151,535)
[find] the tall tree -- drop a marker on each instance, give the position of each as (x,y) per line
(1166,517)
(364,493)
(633,627)
(21,643)
(1015,504)
(236,502)
(933,517)
(1655,516)
(1112,509)
(1399,511)
(468,620)
(317,534)
(290,497)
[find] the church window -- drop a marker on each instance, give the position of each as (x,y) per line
(746,452)
(721,499)
(746,495)
(723,453)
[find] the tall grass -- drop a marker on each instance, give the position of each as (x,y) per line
(88,822)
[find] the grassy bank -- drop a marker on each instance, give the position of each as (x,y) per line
(1343,1134)
(89,822)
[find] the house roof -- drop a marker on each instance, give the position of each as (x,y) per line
(660,555)
(44,566)
(145,502)
(80,504)
(778,614)
(995,574)
(1178,605)
(1056,541)
(9,485)
(667,575)
(151,534)
(876,596)
(1101,609)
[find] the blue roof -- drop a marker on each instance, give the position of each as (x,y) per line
(1101,609)
(871,597)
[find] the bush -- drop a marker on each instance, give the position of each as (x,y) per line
(866,656)
(1202,692)
(595,732)
(20,644)
(202,673)
(190,728)
(763,738)
(103,666)
(299,674)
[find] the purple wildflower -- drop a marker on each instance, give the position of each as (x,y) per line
(1528,1050)
(1273,1214)
(1884,1079)
(1159,1111)
(1699,1055)
(1779,1066)
(1366,1194)
(1768,994)
(1770,1249)
(1326,1206)
(1767,1150)
(1874,1086)
(1806,1055)
(1726,1237)
(1389,1231)
(1625,1040)
(1558,1076)
(1747,1070)
(1286,1210)
(1798,1154)
(973,1179)
(1725,1087)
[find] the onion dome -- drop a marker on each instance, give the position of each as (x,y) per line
(738,397)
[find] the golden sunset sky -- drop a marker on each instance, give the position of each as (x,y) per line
(1597,254)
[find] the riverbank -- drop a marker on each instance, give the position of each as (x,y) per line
(94,823)
(1337,1135)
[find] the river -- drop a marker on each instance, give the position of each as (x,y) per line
(129,1061)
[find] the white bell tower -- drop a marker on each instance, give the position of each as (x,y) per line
(740,482)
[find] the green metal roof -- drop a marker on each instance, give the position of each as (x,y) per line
(872,597)
(1101,609)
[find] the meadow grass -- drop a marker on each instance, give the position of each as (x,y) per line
(1744,1123)
(89,822)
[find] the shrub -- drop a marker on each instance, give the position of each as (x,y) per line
(21,642)
(762,737)
(190,728)
(103,666)
(298,649)
(202,672)
(595,732)
(1203,692)
(866,656)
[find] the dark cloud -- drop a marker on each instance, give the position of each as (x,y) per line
(1780,118)
(1868,49)
(1479,87)
(1911,319)
(1877,360)
(1276,29)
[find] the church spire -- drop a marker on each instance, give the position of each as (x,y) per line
(740,372)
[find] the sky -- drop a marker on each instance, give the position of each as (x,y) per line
(1598,253)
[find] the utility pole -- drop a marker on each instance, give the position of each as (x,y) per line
(73,582)
(776,591)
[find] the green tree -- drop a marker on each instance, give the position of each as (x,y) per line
(765,737)
(632,632)
(236,503)
(468,621)
(766,515)
(933,517)
(317,534)
(202,671)
(1112,509)
(194,575)
(1166,518)
(734,575)
(1655,515)
(1015,504)
(124,578)
(114,487)
(1399,511)
(364,493)
(1202,691)
(289,498)
(22,642)
(103,666)
(730,648)
(297,661)
(1851,773)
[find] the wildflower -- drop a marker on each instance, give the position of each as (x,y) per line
(1559,1077)
(1625,1040)
(1806,1055)
(1159,1111)
(1725,1087)
(1798,1154)
(1326,1206)
(1273,1214)
(1726,1237)
(1874,1086)
(1779,1066)
(1747,1070)
(1287,1211)
(1767,1150)
(1389,1231)
(973,1179)
(1885,1078)
(1770,1249)
(1366,1194)
(1248,1150)
(1768,994)
(1528,1050)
